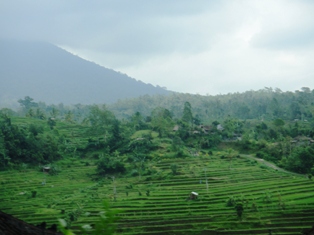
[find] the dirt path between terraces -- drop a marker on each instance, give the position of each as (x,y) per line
(269,164)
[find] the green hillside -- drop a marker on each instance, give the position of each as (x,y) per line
(275,200)
(251,176)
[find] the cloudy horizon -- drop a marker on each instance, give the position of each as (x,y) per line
(199,47)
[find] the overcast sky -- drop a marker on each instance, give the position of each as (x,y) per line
(200,47)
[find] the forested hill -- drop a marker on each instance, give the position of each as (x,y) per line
(266,103)
(52,75)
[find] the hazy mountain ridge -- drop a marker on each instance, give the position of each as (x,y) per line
(50,74)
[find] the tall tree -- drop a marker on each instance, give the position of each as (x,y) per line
(161,121)
(187,113)
(137,121)
(54,112)
(103,122)
(27,103)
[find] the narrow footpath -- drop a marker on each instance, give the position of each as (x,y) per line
(270,164)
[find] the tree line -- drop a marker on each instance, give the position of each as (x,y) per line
(275,125)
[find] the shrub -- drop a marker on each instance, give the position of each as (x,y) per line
(149,172)
(149,178)
(107,165)
(174,168)
(95,156)
(231,201)
(179,153)
(54,170)
(34,193)
(260,155)
(253,162)
(239,209)
(301,160)
(134,172)
(130,158)
(254,207)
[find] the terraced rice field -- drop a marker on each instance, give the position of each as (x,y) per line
(272,200)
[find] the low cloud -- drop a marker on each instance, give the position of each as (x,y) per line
(197,47)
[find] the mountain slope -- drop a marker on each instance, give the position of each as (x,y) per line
(50,74)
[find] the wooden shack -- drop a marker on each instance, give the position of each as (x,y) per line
(193,195)
(46,169)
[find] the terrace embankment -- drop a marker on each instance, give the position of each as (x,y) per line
(272,200)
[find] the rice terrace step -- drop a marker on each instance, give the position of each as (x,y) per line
(272,200)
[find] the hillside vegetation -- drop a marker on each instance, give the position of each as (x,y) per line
(252,171)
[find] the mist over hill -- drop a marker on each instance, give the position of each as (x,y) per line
(50,74)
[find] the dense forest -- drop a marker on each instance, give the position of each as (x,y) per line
(265,104)
(273,125)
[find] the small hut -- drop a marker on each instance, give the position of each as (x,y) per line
(46,169)
(193,195)
(220,127)
(175,128)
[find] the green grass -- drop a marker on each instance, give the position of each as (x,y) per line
(283,202)
(142,133)
(165,211)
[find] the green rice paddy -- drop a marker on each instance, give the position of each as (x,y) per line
(272,200)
